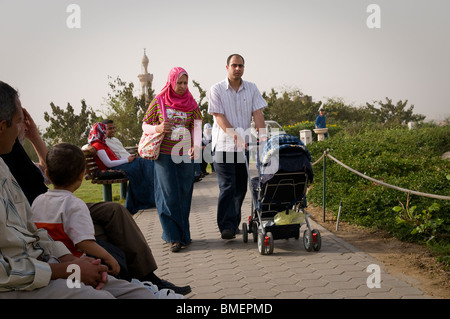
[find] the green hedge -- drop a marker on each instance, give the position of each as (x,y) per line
(409,159)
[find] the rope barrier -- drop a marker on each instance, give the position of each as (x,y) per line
(324,153)
(380,182)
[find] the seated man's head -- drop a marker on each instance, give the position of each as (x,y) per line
(110,128)
(11,117)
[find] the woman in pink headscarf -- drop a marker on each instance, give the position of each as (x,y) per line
(181,121)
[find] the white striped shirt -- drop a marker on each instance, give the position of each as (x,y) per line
(237,107)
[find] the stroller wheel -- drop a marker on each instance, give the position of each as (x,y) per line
(255,231)
(317,240)
(265,243)
(308,240)
(269,243)
(244,232)
(261,247)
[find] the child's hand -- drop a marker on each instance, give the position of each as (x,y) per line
(114,267)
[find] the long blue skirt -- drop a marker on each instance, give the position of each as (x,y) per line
(141,190)
(174,184)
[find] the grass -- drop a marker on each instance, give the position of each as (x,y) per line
(93,193)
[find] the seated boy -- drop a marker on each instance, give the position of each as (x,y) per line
(66,217)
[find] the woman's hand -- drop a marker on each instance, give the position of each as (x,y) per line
(194,152)
(131,158)
(31,130)
(164,127)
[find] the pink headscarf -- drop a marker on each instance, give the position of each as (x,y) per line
(185,102)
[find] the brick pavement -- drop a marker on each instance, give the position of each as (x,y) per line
(218,269)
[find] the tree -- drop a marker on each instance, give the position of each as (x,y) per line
(126,110)
(66,126)
(292,107)
(207,118)
(337,110)
(390,114)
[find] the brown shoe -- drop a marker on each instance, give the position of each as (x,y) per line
(176,247)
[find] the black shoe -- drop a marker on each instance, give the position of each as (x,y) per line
(176,247)
(228,234)
(178,290)
(197,179)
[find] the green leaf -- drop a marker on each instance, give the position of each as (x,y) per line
(434,207)
(397,209)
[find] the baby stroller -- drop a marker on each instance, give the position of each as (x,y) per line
(279,195)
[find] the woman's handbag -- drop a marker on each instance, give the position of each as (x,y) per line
(150,144)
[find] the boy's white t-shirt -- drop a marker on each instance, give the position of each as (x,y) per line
(64,216)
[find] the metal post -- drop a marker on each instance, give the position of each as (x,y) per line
(339,216)
(123,190)
(107,193)
(324,181)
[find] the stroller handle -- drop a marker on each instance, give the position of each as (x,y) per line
(257,144)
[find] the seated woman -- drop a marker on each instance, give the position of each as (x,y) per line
(140,172)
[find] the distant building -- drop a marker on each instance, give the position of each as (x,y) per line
(145,78)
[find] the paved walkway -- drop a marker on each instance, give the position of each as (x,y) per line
(218,269)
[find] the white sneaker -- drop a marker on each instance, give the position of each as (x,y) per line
(159,294)
(168,294)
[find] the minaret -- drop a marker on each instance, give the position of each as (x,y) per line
(145,78)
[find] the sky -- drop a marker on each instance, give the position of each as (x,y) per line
(325,48)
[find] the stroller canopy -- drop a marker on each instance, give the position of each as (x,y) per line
(285,152)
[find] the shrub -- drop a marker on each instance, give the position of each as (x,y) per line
(405,158)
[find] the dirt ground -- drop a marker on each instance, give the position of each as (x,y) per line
(401,259)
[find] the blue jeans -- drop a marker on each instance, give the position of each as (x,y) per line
(140,193)
(232,179)
(174,184)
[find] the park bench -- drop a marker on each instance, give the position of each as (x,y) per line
(91,174)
